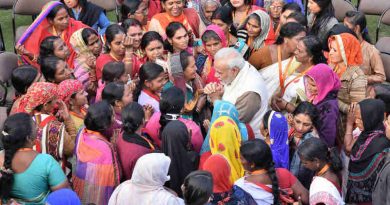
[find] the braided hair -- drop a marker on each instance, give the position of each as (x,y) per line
(257,152)
(18,130)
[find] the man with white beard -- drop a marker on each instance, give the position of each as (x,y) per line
(242,85)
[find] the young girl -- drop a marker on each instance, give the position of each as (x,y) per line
(321,18)
(178,38)
(133,29)
(119,48)
(213,40)
(118,95)
(112,72)
(152,45)
(241,9)
(55,70)
(223,18)
(53,46)
(152,79)
(303,122)
(185,77)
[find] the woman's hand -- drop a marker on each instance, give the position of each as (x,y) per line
(91,61)
(351,116)
(148,109)
(206,124)
(21,50)
(63,112)
(214,91)
(128,43)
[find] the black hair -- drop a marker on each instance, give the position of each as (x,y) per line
(149,37)
(130,23)
(336,30)
(112,92)
(111,31)
(298,17)
(148,72)
(129,7)
(210,35)
(49,67)
(309,109)
(198,188)
(325,14)
(171,102)
(184,55)
(170,31)
(315,148)
(224,14)
(22,77)
(99,116)
(132,117)
(18,129)
(314,49)
(52,14)
(112,71)
(257,152)
(289,30)
(86,33)
(46,48)
(292,7)
(266,118)
(357,18)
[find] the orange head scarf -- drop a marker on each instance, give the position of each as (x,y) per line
(350,50)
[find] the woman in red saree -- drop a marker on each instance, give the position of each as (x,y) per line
(52,21)
(175,12)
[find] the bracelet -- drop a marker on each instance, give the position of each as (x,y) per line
(285,107)
(128,60)
(348,134)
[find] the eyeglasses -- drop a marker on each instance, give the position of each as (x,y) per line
(278,8)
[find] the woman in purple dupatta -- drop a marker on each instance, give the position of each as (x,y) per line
(322,85)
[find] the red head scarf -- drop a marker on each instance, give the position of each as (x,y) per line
(219,168)
(67,88)
(37,94)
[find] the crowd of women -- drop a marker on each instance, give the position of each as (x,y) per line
(117,113)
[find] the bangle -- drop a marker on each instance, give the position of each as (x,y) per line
(348,134)
(285,107)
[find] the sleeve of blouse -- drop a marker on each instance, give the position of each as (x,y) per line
(55,174)
(358,87)
(376,63)
(103,23)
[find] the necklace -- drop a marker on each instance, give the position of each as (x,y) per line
(323,170)
(112,56)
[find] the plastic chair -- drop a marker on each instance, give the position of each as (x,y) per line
(6,4)
(27,8)
(373,7)
(8,62)
(341,7)
(108,5)
(383,46)
(384,19)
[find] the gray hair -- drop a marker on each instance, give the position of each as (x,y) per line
(232,58)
